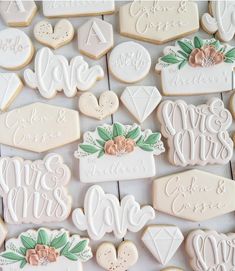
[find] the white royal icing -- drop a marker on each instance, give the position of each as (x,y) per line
(196,135)
(221,20)
(54,74)
(196,66)
(45,250)
(141,100)
(209,250)
(60,8)
(34,192)
(129,62)
(16,49)
(103,213)
(10,86)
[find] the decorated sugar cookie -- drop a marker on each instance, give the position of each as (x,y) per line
(103,213)
(141,100)
(220,19)
(129,62)
(107,105)
(208,250)
(18,12)
(45,250)
(39,127)
(56,37)
(60,8)
(196,66)
(194,195)
(162,241)
(95,38)
(118,152)
(109,259)
(232,104)
(196,135)
(35,192)
(53,73)
(16,49)
(158,21)
(10,86)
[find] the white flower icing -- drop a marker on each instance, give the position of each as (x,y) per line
(104,213)
(53,74)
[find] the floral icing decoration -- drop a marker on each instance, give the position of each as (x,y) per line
(197,53)
(119,139)
(42,247)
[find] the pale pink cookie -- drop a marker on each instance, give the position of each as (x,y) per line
(209,250)
(53,73)
(196,135)
(232,104)
(219,20)
(129,62)
(95,38)
(196,66)
(18,12)
(39,127)
(141,100)
(98,218)
(107,105)
(194,195)
(162,241)
(54,37)
(124,258)
(16,50)
(35,192)
(158,21)
(10,87)
(45,250)
(127,146)
(71,8)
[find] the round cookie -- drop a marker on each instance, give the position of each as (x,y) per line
(129,62)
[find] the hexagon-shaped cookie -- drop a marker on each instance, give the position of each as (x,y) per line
(18,12)
(95,38)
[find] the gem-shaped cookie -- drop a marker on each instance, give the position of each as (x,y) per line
(53,73)
(39,127)
(196,135)
(103,213)
(18,12)
(196,66)
(95,38)
(45,250)
(118,152)
(158,21)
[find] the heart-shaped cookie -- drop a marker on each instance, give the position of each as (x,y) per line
(89,105)
(125,257)
(62,33)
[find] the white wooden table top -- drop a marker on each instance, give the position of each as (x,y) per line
(141,189)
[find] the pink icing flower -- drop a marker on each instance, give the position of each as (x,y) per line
(119,145)
(205,57)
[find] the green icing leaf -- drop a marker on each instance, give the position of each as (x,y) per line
(153,139)
(117,130)
(104,134)
(101,153)
(185,46)
(42,237)
(198,42)
(27,242)
(133,134)
(100,142)
(23,250)
(12,256)
(88,148)
(23,263)
(171,59)
(216,44)
(183,54)
(79,247)
(60,241)
(230,53)
(71,256)
(145,147)
(228,60)
(65,249)
(182,64)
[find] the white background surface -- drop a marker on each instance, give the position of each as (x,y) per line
(141,189)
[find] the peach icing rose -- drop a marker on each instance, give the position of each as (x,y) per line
(41,255)
(119,145)
(205,57)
